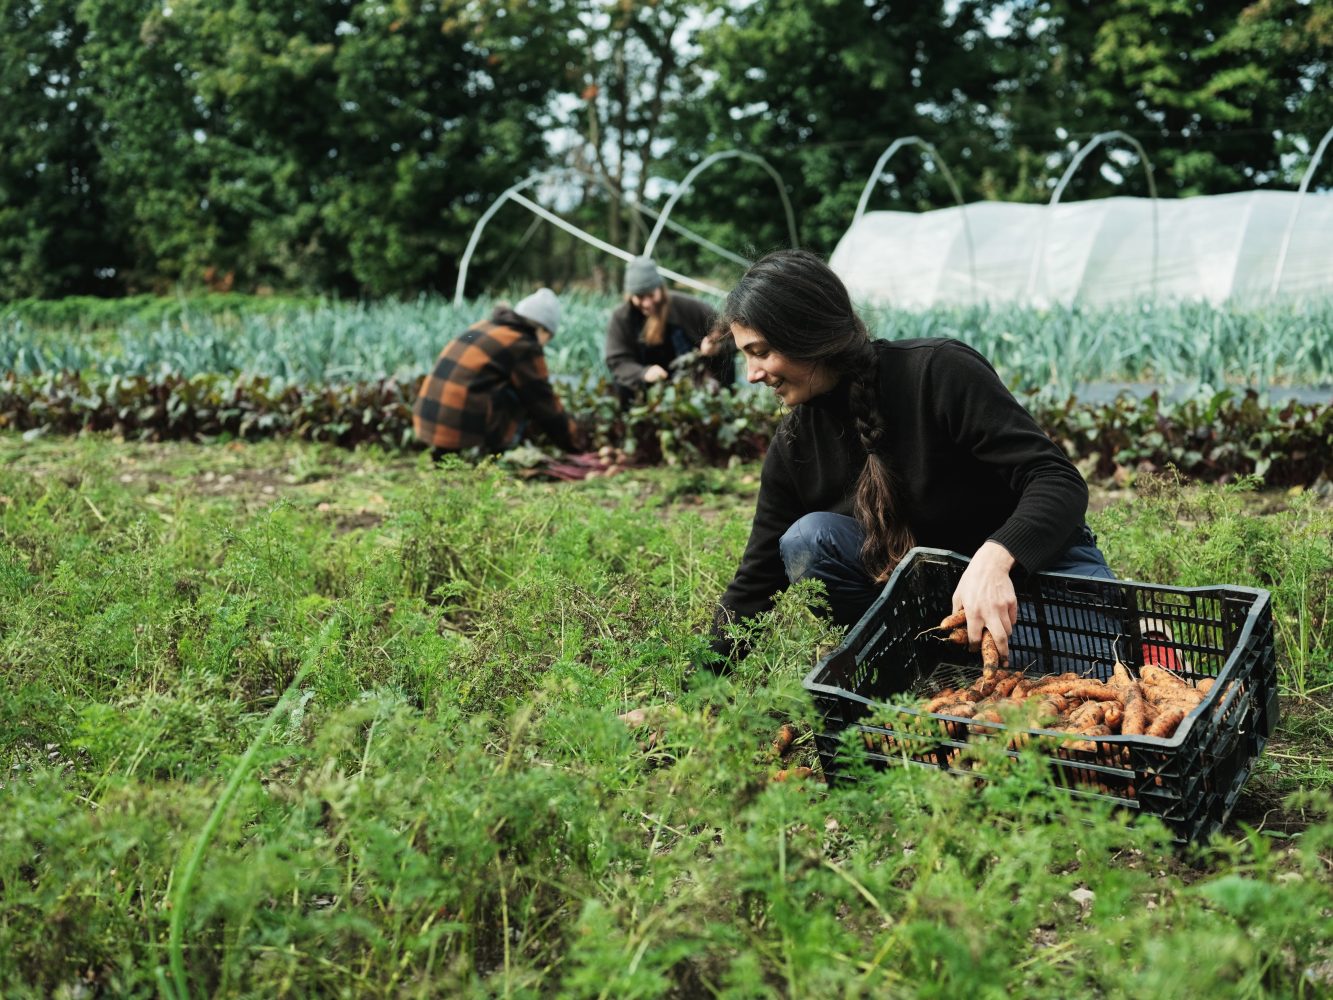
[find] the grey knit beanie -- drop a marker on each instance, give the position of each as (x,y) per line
(542,308)
(641,276)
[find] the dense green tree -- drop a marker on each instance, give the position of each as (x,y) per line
(263,80)
(439,108)
(820,90)
(1291,42)
(1209,88)
(157,170)
(351,145)
(1202,85)
(637,67)
(319,143)
(56,236)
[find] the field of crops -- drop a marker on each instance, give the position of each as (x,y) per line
(1183,345)
(284,719)
(1237,394)
(287,717)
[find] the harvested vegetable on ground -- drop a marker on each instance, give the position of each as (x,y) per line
(786,735)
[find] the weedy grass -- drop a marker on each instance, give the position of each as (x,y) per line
(443,802)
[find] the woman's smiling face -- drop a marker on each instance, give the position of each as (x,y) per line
(795,382)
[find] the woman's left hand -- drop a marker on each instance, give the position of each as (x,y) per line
(986,594)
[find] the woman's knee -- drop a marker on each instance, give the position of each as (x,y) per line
(817,542)
(1083,558)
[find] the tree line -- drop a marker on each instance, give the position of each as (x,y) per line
(348,147)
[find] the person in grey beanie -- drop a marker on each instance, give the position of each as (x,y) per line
(653,327)
(488,383)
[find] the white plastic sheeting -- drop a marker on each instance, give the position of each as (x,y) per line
(1220,248)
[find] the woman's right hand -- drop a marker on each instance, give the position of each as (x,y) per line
(986,593)
(653,374)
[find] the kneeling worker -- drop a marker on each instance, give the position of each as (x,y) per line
(652,328)
(489,382)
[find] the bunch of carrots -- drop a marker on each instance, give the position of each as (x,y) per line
(1154,704)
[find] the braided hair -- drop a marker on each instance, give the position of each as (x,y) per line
(805,313)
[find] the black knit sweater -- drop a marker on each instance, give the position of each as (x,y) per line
(969,464)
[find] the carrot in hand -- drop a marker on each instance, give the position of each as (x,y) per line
(952,621)
(990,653)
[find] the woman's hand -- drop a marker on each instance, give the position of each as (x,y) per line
(986,594)
(713,341)
(654,373)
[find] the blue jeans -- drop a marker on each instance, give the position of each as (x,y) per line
(827,547)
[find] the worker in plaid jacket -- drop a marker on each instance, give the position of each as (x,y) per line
(488,383)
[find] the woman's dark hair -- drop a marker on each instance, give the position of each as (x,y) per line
(804,312)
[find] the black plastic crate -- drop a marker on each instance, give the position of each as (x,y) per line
(1190,780)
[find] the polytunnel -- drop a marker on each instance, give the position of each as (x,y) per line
(1243,247)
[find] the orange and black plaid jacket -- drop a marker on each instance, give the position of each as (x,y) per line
(483,383)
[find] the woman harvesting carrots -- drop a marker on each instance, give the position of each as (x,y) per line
(890,444)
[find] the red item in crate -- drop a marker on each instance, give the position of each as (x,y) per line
(1157,648)
(1161,655)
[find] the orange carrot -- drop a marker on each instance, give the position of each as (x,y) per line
(1113,714)
(959,710)
(1120,676)
(1165,724)
(1153,675)
(1088,746)
(1052,705)
(1044,682)
(1090,713)
(1083,690)
(946,697)
(1162,696)
(952,621)
(990,653)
